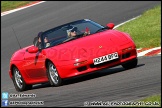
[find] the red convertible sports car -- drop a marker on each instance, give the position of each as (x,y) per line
(69,50)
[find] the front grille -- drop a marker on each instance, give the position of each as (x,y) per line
(103,64)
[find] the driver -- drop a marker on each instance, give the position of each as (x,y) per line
(72,32)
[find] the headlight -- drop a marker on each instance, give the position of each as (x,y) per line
(79,63)
(127,49)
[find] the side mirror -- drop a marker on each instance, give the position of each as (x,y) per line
(32,49)
(110,25)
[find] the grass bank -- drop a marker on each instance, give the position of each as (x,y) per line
(9,5)
(145,30)
(152,101)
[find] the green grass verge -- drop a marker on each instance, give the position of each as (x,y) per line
(154,100)
(8,5)
(145,30)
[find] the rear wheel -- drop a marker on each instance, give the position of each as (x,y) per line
(19,82)
(131,64)
(53,75)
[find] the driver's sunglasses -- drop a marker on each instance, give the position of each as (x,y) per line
(73,31)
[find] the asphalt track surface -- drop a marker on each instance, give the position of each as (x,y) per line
(113,84)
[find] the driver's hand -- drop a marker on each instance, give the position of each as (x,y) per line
(87,32)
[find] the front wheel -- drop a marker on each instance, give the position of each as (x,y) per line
(53,75)
(130,64)
(19,82)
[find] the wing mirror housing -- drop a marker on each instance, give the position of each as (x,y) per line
(33,49)
(110,25)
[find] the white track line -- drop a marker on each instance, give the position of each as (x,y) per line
(147,51)
(126,21)
(14,10)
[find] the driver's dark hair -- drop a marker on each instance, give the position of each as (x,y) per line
(39,34)
(35,42)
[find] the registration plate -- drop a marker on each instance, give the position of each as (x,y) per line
(105,58)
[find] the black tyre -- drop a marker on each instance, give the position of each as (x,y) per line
(19,82)
(53,75)
(131,64)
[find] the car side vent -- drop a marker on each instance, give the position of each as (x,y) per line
(125,55)
(83,68)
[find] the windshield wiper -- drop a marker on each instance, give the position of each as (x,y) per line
(101,29)
(74,37)
(69,39)
(66,40)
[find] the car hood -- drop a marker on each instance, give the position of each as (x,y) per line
(92,46)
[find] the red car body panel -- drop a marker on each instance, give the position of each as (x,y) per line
(33,68)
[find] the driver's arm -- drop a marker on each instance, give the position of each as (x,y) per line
(87,32)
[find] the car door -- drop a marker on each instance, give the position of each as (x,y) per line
(35,64)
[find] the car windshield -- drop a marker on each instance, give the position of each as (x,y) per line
(59,34)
